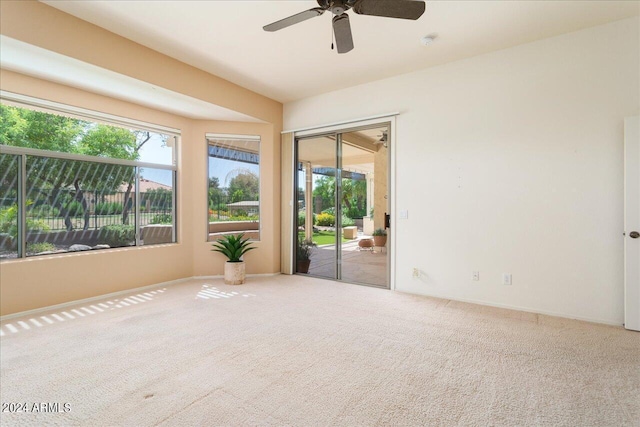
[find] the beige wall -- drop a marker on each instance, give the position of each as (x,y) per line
(510,162)
(265,259)
(39,282)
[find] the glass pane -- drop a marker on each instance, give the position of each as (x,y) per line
(8,206)
(316,207)
(155,148)
(364,178)
(234,187)
(156,206)
(55,132)
(78,206)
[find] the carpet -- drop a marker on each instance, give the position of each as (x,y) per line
(299,351)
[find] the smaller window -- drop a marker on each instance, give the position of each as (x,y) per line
(233,191)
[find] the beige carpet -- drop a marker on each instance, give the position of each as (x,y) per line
(301,351)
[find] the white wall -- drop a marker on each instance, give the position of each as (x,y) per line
(510,162)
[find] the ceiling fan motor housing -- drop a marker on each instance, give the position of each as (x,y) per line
(337,7)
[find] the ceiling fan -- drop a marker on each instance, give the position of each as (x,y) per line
(383,138)
(404,9)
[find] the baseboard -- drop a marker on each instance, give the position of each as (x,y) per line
(177,281)
(518,308)
(90,299)
(220,276)
(119,293)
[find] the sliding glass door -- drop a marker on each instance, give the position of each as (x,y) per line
(336,176)
(316,209)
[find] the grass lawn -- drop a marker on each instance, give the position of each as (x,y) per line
(322,237)
(57,223)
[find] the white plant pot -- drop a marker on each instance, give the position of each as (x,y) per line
(234,273)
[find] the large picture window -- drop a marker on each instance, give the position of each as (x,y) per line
(233,191)
(70,184)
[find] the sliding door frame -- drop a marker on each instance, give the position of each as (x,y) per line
(336,131)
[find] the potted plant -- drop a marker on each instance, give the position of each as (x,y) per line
(233,247)
(303,255)
(380,237)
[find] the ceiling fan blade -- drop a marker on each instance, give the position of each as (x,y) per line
(404,9)
(342,30)
(294,19)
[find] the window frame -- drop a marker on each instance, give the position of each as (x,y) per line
(239,137)
(51,107)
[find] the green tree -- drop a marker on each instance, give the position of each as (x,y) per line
(216,194)
(214,182)
(354,195)
(245,185)
(61,182)
(324,188)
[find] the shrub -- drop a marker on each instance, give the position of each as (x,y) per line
(354,212)
(326,220)
(44,211)
(108,208)
(116,235)
(347,222)
(302,216)
(161,219)
(34,248)
(75,208)
(9,222)
(37,226)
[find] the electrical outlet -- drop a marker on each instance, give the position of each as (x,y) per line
(506,279)
(416,272)
(476,276)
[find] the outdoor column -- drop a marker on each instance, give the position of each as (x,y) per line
(308,202)
(369,193)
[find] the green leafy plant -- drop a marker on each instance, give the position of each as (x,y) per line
(302,218)
(325,219)
(108,208)
(43,211)
(380,232)
(117,235)
(355,212)
(34,248)
(75,208)
(9,222)
(347,222)
(303,251)
(233,247)
(161,219)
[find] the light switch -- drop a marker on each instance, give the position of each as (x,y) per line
(404,214)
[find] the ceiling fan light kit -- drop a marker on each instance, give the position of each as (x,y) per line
(402,9)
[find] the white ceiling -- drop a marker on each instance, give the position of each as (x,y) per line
(226,37)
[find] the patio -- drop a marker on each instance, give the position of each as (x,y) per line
(358,266)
